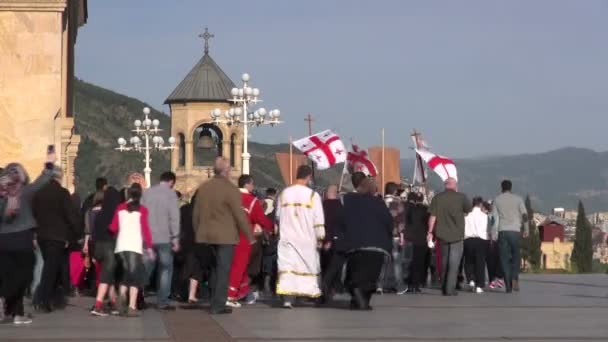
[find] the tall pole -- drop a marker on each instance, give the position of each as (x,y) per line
(310,120)
(246,155)
(290,161)
(416,137)
(147,169)
(383,177)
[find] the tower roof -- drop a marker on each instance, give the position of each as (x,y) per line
(206,82)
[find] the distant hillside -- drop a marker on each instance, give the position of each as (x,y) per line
(554,179)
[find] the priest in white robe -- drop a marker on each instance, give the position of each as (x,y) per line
(301,229)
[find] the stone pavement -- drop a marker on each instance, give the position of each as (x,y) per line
(549,308)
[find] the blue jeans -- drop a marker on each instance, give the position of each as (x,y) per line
(395,271)
(39,263)
(510,259)
(164,273)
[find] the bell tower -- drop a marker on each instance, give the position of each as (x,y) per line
(198,139)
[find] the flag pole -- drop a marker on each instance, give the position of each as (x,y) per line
(309,119)
(383,177)
(290,161)
(415,136)
(342,177)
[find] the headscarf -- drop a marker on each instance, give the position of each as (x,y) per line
(12,179)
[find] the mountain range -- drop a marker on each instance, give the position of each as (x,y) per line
(553,179)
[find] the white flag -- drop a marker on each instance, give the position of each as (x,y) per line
(325,149)
(442,166)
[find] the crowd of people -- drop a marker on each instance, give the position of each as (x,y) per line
(231,246)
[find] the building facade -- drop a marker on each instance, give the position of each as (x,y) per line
(36,76)
(556,251)
(198,139)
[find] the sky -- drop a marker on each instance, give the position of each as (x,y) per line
(476,77)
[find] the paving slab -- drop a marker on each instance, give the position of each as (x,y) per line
(549,308)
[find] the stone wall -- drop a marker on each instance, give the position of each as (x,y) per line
(30,85)
(556,254)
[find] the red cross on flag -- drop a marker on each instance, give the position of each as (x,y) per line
(442,166)
(358,161)
(325,149)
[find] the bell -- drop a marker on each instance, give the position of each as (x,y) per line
(205,139)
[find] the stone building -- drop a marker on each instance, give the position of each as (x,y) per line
(198,139)
(556,251)
(37,40)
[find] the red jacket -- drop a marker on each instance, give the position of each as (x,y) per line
(255,212)
(145,227)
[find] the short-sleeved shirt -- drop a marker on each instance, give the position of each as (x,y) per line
(450,208)
(509,210)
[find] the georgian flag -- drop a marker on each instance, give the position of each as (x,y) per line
(358,161)
(442,166)
(325,149)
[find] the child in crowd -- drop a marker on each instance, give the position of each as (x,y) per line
(131,224)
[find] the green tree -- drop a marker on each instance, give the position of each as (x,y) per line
(534,251)
(582,254)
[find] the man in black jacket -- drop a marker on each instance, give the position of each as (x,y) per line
(58,224)
(365,234)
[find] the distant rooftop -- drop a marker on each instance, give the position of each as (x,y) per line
(206,82)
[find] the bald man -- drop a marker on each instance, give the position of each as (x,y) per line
(448,210)
(218,220)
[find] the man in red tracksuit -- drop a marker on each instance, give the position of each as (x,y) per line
(238,285)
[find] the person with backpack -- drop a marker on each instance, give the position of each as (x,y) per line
(238,284)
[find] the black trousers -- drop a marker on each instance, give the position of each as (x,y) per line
(220,271)
(493,261)
(254,269)
(475,260)
(364,269)
(53,254)
(134,272)
(103,253)
(16,270)
(333,271)
(418,266)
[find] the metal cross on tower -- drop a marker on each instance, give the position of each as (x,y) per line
(206,36)
(309,119)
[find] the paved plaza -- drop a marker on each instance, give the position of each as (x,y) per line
(549,308)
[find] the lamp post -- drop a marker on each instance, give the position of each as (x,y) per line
(146,140)
(242,99)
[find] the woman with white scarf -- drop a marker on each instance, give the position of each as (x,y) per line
(17,226)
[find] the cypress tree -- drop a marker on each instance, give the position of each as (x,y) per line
(582,254)
(533,244)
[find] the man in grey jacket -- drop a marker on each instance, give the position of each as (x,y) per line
(511,222)
(162,204)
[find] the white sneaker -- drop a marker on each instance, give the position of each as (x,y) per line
(402,292)
(472,284)
(233,304)
(479,290)
(22,320)
(287,305)
(253,297)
